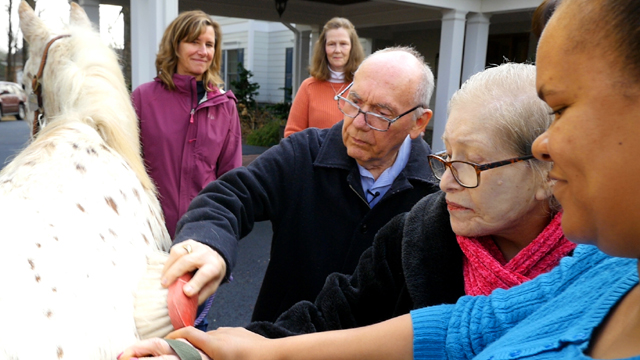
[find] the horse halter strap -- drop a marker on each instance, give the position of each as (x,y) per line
(36,89)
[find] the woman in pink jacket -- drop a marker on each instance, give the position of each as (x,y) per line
(189,126)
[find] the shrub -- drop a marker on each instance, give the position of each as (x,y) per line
(260,124)
(244,89)
(267,135)
(279,110)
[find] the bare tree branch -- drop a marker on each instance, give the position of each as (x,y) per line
(10,72)
(126,53)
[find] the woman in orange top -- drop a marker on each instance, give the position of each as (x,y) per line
(336,56)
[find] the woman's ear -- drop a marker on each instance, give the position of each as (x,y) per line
(545,190)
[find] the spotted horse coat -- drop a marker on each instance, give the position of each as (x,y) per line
(79,216)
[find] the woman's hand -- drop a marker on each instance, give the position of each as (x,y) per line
(191,255)
(226,343)
(155,348)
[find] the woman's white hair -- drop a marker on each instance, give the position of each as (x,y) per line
(506,94)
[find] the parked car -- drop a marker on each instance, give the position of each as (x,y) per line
(13,100)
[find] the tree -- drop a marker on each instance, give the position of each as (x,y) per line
(244,89)
(126,52)
(11,46)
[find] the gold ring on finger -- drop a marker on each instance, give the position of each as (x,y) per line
(187,247)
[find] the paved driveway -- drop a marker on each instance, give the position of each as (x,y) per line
(14,135)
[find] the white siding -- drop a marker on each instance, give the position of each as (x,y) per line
(225,21)
(276,62)
(266,58)
(260,69)
(235,41)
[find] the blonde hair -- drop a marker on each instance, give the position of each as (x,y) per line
(319,67)
(188,26)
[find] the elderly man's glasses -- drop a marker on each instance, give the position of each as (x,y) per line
(373,120)
(467,174)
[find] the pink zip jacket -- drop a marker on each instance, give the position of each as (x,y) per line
(186,145)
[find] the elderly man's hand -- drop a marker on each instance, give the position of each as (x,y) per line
(191,255)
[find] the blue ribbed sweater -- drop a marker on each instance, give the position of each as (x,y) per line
(549,317)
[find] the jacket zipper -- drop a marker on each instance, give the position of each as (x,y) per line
(363,199)
(194,100)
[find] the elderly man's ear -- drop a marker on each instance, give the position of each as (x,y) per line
(420,124)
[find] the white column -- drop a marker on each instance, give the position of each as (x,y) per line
(251,41)
(475,44)
(449,68)
(366,46)
(306,50)
(313,37)
(92,8)
(149,19)
(295,82)
(301,55)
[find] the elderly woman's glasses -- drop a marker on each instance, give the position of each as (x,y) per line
(373,120)
(467,174)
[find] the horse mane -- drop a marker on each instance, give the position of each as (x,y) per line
(87,85)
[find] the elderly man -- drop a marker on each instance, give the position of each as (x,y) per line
(326,192)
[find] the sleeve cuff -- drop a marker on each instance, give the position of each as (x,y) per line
(430,327)
(227,248)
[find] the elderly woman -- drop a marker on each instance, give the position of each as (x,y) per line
(495,197)
(588,306)
(336,56)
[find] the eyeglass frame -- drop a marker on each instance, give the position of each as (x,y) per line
(365,113)
(479,168)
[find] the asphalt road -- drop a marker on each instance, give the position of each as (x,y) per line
(14,135)
(233,304)
(234,301)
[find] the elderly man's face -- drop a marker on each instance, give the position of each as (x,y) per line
(382,86)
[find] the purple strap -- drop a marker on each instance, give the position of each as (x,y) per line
(207,307)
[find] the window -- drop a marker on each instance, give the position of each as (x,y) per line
(229,70)
(514,47)
(288,73)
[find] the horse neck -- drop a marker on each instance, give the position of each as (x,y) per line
(93,89)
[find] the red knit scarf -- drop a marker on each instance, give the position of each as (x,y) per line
(485,268)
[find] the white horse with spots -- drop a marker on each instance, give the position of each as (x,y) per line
(78,213)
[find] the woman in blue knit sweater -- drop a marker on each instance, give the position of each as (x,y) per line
(589,306)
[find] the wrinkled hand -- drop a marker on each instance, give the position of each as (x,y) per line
(210,267)
(226,343)
(155,348)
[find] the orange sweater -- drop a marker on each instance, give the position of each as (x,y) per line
(314,106)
